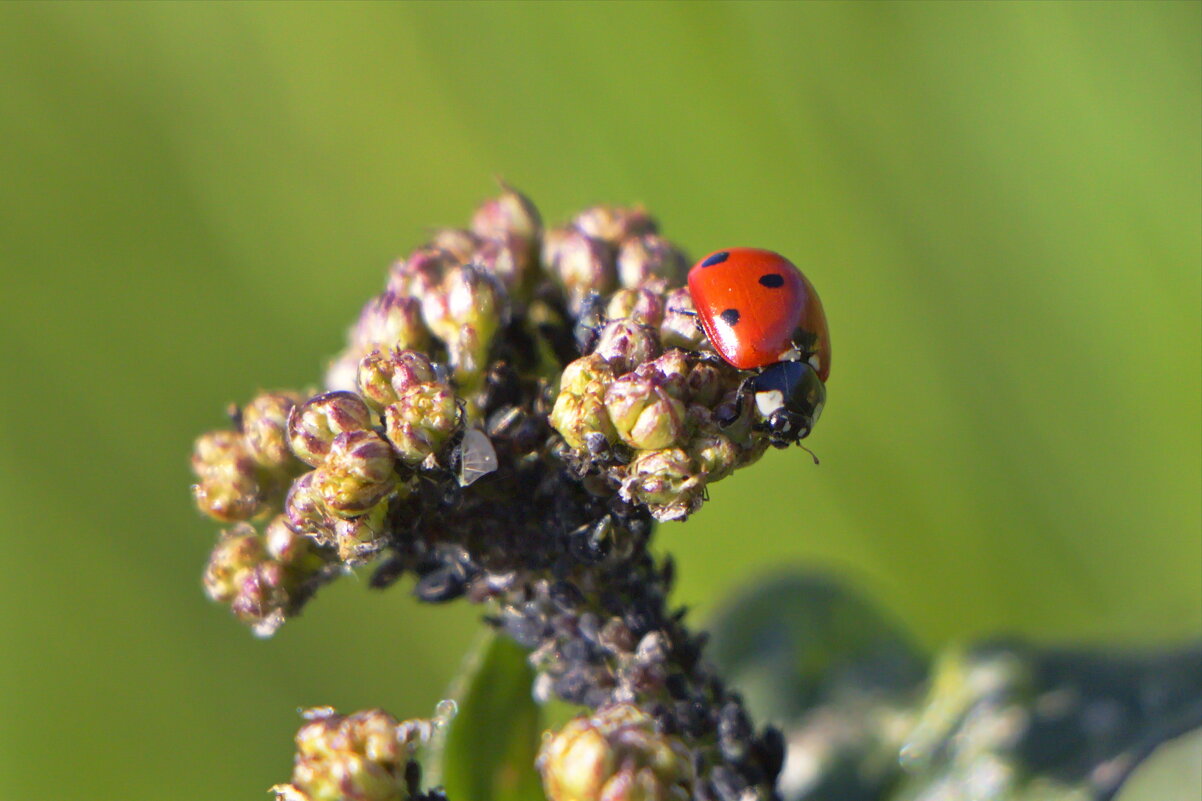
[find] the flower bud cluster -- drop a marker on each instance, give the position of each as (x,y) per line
(659,426)
(243,473)
(265,577)
(367,756)
(616,754)
(608,247)
(507,419)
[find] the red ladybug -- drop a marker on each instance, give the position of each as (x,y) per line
(761,313)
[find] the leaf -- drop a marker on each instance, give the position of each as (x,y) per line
(831,670)
(1171,772)
(489,749)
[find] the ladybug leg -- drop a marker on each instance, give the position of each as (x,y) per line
(727,413)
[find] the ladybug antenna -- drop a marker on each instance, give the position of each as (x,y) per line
(813,455)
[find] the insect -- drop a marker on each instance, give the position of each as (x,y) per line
(760,313)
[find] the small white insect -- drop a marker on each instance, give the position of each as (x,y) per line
(477,457)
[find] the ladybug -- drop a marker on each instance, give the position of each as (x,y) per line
(760,313)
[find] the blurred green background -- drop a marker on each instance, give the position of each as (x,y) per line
(1000,205)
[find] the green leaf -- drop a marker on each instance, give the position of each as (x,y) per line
(1171,772)
(489,749)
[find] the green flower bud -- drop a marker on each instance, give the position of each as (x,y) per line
(588,374)
(229,488)
(265,430)
(421,273)
(614,224)
(238,550)
(360,538)
(421,421)
(715,455)
(582,265)
(461,245)
(291,549)
(360,757)
(262,577)
(643,414)
(640,305)
(666,482)
(680,328)
(359,471)
(579,413)
(625,344)
(313,426)
(384,375)
(651,261)
(390,320)
(466,312)
(615,755)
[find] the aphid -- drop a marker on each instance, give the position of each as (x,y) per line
(760,313)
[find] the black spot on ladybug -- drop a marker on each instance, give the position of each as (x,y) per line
(717,258)
(772,280)
(730,316)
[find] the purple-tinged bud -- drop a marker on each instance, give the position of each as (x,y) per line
(306,512)
(509,215)
(460,244)
(582,265)
(265,430)
(617,754)
(707,383)
(625,345)
(384,375)
(359,471)
(670,372)
(514,269)
(229,488)
(614,224)
(640,305)
(360,757)
(579,413)
(264,596)
(421,273)
(238,550)
(680,328)
(666,482)
(511,218)
(651,261)
(421,421)
(313,425)
(644,415)
(390,320)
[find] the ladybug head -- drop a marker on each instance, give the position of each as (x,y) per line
(789,398)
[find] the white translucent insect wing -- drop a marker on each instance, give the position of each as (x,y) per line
(477,456)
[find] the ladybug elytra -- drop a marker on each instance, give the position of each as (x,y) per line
(760,313)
